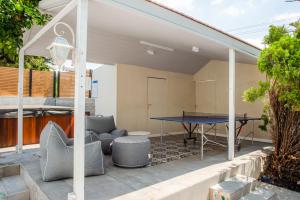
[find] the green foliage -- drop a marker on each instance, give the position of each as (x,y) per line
(253,93)
(280,61)
(275,33)
(17,16)
(296,26)
(36,62)
(265,118)
(31,62)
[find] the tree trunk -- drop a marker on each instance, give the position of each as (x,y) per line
(285,131)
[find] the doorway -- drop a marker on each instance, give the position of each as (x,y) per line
(157,102)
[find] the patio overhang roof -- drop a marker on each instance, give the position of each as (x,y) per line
(117,27)
(114,34)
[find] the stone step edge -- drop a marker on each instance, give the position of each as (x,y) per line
(22,193)
(233,188)
(9,170)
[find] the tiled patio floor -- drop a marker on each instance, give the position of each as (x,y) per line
(118,181)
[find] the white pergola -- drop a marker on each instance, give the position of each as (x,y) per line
(209,36)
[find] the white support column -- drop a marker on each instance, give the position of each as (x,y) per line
(19,146)
(79,104)
(231,134)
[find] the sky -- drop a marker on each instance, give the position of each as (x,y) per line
(246,19)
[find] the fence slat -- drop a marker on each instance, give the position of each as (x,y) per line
(42,84)
(9,81)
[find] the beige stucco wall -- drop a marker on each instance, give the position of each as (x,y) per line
(132,100)
(246,76)
(184,93)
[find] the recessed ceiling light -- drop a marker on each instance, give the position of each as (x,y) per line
(195,49)
(156,46)
(150,52)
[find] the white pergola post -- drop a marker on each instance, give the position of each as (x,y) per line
(19,146)
(79,104)
(231,132)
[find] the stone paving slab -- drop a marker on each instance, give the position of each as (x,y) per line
(14,188)
(120,181)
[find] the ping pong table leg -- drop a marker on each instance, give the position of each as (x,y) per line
(202,132)
(252,130)
(215,132)
(161,131)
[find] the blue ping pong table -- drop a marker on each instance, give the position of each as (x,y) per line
(192,121)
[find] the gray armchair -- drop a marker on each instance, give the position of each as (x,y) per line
(105,130)
(57,154)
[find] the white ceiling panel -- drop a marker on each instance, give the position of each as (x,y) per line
(114,36)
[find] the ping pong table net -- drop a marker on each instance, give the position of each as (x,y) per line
(209,115)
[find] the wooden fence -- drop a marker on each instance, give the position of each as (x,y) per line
(9,81)
(38,83)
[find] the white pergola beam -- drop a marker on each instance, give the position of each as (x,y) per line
(69,7)
(79,114)
(231,133)
(66,10)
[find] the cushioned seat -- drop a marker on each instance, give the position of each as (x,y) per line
(104,129)
(131,151)
(106,140)
(57,154)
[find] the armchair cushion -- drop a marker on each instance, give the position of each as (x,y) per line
(119,133)
(106,140)
(100,124)
(57,156)
(103,128)
(88,138)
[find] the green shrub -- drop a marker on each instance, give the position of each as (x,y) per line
(17,16)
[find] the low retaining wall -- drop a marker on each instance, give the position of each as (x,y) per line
(196,184)
(35,191)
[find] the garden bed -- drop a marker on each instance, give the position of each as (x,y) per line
(290,180)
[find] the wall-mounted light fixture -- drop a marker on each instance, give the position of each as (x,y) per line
(60,47)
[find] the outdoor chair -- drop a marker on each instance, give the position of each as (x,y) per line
(57,154)
(105,130)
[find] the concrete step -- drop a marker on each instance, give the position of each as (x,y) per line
(261,194)
(233,188)
(9,170)
(13,188)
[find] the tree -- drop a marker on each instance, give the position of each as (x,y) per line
(280,61)
(17,16)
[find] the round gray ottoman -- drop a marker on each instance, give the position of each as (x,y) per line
(131,151)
